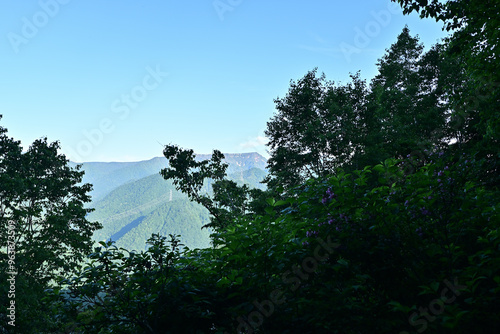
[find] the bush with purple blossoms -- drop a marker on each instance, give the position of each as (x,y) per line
(356,252)
(402,233)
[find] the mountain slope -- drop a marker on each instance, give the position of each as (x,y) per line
(131,212)
(106,176)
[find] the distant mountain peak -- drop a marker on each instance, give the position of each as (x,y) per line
(247,156)
(106,176)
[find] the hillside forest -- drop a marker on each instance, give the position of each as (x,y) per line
(379,212)
(131,200)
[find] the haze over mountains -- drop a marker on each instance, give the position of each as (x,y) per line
(132,200)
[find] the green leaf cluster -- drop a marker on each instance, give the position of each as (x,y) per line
(44,232)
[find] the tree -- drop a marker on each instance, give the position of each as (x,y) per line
(126,292)
(406,113)
(475,25)
(476,42)
(205,182)
(316,129)
(320,126)
(43,229)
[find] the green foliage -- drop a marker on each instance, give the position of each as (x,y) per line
(365,251)
(229,200)
(316,129)
(320,126)
(406,109)
(475,43)
(44,232)
(408,232)
(127,292)
(189,176)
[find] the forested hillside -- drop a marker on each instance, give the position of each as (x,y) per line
(106,176)
(133,211)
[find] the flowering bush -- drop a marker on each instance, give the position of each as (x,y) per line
(402,237)
(377,250)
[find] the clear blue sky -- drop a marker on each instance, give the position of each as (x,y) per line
(113,80)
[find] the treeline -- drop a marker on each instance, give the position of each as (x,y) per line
(381,212)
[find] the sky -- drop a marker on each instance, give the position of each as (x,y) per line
(116,80)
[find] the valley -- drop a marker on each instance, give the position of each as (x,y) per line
(132,200)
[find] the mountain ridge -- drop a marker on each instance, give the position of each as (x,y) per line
(132,200)
(106,176)
(199,156)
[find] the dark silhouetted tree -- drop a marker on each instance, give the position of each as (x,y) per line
(43,229)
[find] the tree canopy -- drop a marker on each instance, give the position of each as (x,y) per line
(320,126)
(42,220)
(316,129)
(475,43)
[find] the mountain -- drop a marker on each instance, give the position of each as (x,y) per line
(106,176)
(132,200)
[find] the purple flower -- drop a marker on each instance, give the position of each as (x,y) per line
(331,221)
(425,212)
(406,203)
(311,233)
(439,180)
(330,193)
(305,243)
(440,173)
(324,200)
